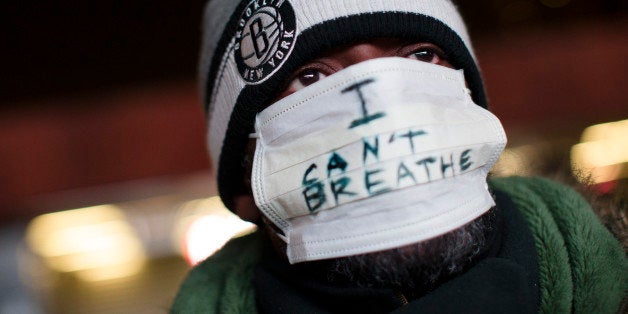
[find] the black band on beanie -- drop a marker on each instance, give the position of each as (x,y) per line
(310,44)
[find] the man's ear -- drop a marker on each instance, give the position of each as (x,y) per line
(245,208)
(244,203)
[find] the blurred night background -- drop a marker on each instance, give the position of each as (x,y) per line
(106,195)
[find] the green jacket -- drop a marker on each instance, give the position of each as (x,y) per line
(583,268)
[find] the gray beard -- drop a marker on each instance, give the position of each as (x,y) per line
(417,268)
(412,270)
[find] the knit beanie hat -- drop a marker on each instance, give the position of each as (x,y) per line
(251,47)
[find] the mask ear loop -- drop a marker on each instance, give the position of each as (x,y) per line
(282,237)
(254,135)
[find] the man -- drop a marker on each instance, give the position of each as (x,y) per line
(355,134)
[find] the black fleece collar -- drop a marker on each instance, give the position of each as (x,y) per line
(504,281)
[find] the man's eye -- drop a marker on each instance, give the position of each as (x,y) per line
(427,55)
(306,78)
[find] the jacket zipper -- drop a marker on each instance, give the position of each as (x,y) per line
(402,298)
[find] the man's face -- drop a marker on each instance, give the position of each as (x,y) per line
(327,64)
(416,267)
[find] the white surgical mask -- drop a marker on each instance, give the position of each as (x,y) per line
(382,154)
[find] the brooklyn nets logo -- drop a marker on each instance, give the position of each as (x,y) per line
(264,39)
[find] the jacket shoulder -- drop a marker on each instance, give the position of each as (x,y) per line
(222,283)
(574,248)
